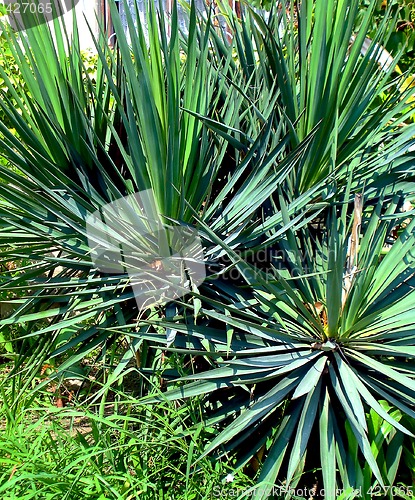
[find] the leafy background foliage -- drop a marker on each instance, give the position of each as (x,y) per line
(289,148)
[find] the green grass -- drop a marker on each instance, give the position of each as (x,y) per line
(130,452)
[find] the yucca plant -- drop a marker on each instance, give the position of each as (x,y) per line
(276,149)
(81,143)
(327,76)
(302,349)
